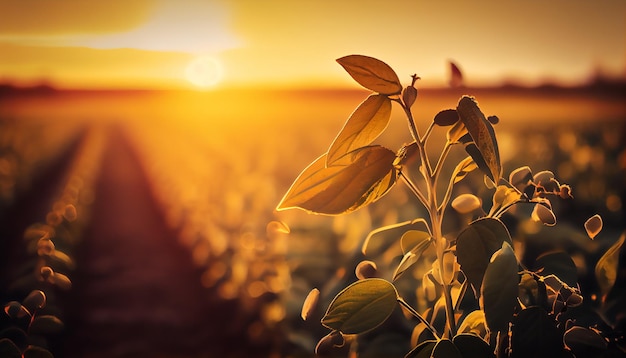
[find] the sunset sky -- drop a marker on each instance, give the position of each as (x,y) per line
(193,44)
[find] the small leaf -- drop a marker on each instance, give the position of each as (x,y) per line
(372,74)
(593,226)
(310,302)
(521,177)
(482,134)
(503,197)
(365,124)
(581,339)
(544,215)
(366,269)
(409,95)
(456,132)
(466,166)
(37,352)
(419,240)
(382,238)
(476,244)
(472,346)
(45,324)
(35,300)
(8,349)
(422,350)
(361,307)
(500,289)
(466,203)
(409,153)
(445,349)
(447,117)
(559,264)
(606,268)
(15,309)
(62,281)
(474,323)
(357,180)
(325,345)
(413,238)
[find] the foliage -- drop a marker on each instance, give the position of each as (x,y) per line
(510,310)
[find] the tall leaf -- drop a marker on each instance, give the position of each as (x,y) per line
(500,289)
(365,124)
(372,74)
(483,135)
(606,268)
(476,244)
(358,179)
(362,306)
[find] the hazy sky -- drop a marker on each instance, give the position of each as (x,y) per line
(142,43)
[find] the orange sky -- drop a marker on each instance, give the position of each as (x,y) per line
(150,43)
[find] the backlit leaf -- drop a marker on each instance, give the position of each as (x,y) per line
(544,215)
(382,238)
(482,134)
(466,203)
(46,324)
(372,74)
(462,169)
(35,300)
(366,269)
(593,226)
(581,339)
(361,307)
(472,346)
(422,350)
(606,268)
(559,264)
(500,289)
(365,124)
(445,349)
(310,302)
(358,179)
(474,323)
(521,177)
(503,197)
(455,132)
(420,241)
(447,117)
(476,244)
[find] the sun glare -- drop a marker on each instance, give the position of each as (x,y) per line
(204,72)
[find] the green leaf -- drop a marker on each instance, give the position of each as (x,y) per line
(365,124)
(483,135)
(500,289)
(559,264)
(476,244)
(419,242)
(372,74)
(45,324)
(8,349)
(422,350)
(606,268)
(358,179)
(361,307)
(445,349)
(447,117)
(472,346)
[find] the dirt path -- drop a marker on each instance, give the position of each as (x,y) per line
(136,292)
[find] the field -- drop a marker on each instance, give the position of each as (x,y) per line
(174,247)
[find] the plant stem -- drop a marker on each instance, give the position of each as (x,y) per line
(414,189)
(412,310)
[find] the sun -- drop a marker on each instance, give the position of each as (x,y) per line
(204,72)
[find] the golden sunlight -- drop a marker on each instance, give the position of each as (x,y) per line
(204,71)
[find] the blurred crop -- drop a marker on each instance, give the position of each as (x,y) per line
(217,163)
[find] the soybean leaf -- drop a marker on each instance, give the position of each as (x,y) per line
(447,117)
(581,339)
(358,179)
(422,350)
(445,349)
(483,135)
(456,132)
(365,124)
(8,349)
(361,307)
(535,334)
(559,264)
(45,324)
(504,196)
(474,323)
(372,73)
(380,239)
(500,289)
(476,244)
(606,268)
(462,169)
(419,242)
(472,346)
